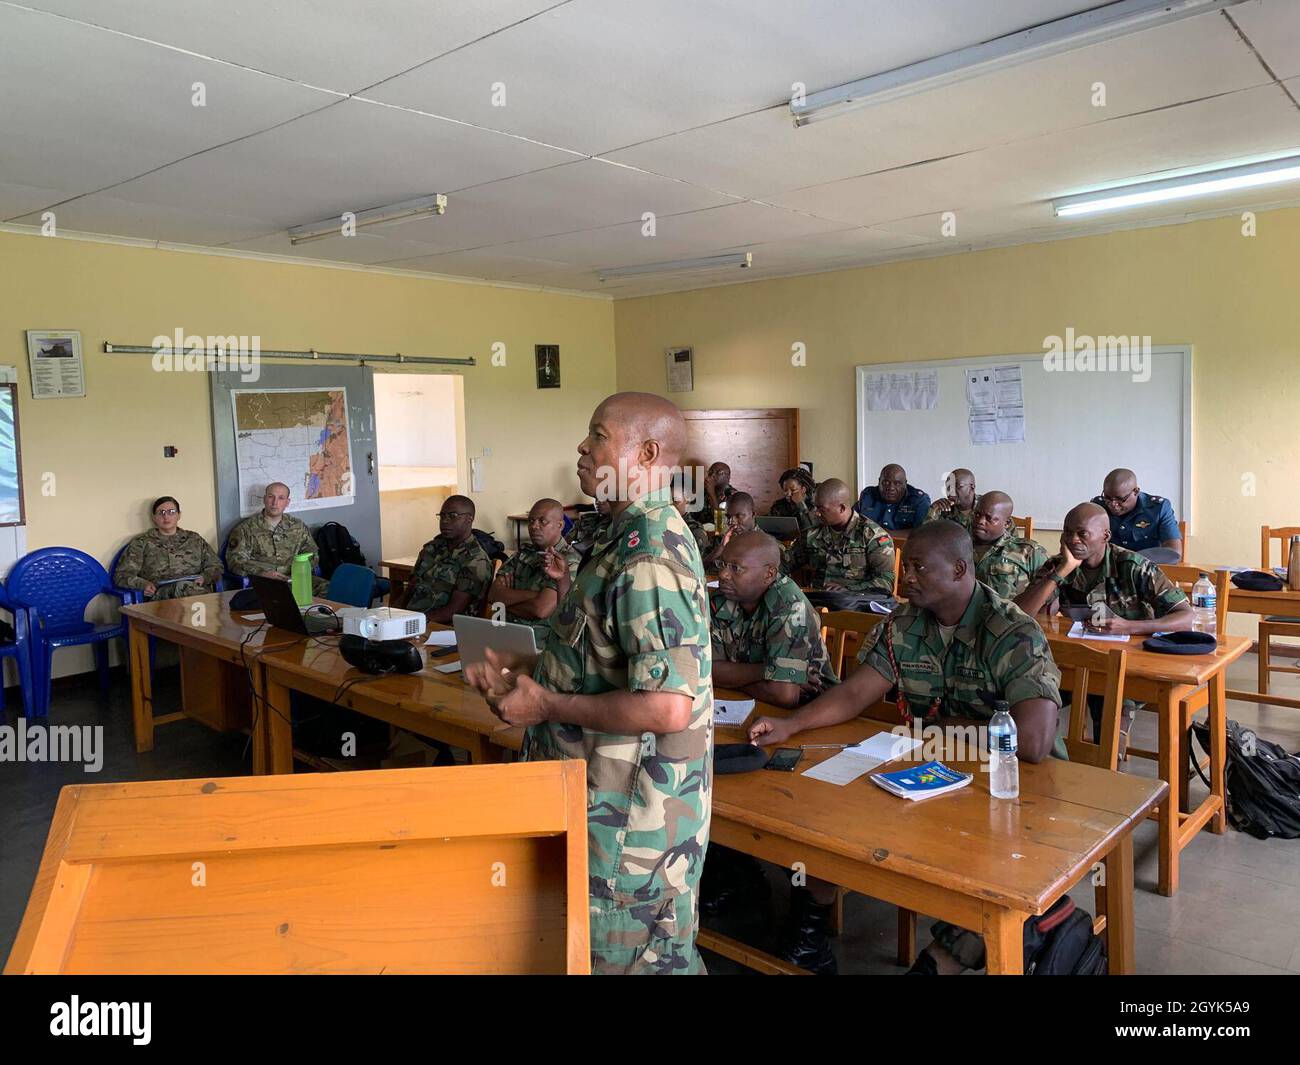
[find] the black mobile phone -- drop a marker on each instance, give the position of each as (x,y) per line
(785,759)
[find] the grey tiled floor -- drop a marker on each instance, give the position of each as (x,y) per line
(1237,911)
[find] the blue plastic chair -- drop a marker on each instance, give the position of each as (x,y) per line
(352,584)
(56,585)
(228,579)
(19,649)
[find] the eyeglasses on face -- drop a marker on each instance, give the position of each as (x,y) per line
(451,514)
(169,513)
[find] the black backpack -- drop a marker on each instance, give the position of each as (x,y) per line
(1262,781)
(1061,942)
(334,546)
(494,547)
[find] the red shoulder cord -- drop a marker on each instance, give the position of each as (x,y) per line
(899,700)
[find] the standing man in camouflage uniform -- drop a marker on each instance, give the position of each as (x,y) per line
(767,638)
(1004,561)
(1127,593)
(952,639)
(522,587)
(452,573)
(959,501)
(846,552)
(624,683)
(154,561)
(265,544)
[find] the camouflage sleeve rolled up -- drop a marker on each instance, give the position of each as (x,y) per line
(1160,591)
(659,626)
(789,650)
(127,572)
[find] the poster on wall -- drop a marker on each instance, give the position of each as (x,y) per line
(54,356)
(299,437)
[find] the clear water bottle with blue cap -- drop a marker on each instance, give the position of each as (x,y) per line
(1004,763)
(1205,603)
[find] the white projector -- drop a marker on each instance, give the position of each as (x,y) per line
(382,623)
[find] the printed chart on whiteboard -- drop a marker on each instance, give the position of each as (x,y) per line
(918,390)
(995,399)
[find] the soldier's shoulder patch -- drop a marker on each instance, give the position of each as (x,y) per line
(1158,499)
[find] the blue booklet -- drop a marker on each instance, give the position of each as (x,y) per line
(922,781)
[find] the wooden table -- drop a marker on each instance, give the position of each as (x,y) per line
(220,673)
(1284,604)
(399,572)
(439,706)
(1164,681)
(982,864)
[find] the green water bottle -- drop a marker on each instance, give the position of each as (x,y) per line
(300,576)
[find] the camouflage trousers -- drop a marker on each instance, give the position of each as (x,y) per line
(653,938)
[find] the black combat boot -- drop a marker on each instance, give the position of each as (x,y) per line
(805,942)
(731,881)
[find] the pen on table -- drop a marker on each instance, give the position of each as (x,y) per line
(827,746)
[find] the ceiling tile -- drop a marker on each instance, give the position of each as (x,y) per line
(1273,28)
(106,214)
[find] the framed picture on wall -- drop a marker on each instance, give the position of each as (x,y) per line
(548,365)
(54,356)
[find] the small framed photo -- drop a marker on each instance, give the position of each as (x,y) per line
(548,365)
(54,358)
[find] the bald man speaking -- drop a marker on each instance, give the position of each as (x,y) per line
(625,684)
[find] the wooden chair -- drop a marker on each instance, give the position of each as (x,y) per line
(898,566)
(1078,663)
(1182,540)
(1270,625)
(1024,526)
(844,632)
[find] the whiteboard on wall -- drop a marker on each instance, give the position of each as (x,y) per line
(1078,426)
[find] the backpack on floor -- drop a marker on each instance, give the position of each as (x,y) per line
(1262,781)
(1061,942)
(334,546)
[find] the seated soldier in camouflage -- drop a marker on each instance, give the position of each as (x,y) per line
(589,525)
(953,639)
(959,501)
(797,489)
(767,638)
(452,573)
(683,505)
(1127,593)
(846,552)
(1004,561)
(265,544)
(740,519)
(168,562)
(523,589)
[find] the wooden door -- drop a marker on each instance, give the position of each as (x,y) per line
(757,444)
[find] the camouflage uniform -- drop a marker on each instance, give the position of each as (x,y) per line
(805,512)
(637,618)
(961,517)
(702,536)
(527,572)
(858,559)
(1009,563)
(443,567)
(152,557)
(1129,585)
(784,633)
(255,546)
(995,646)
(587,526)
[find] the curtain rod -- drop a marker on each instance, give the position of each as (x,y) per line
(140,349)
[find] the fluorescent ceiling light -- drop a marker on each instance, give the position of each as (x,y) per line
(1038,42)
(1203,183)
(741,259)
(333,227)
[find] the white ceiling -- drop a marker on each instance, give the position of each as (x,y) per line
(613,108)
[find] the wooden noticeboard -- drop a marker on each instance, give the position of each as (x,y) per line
(466,869)
(758,444)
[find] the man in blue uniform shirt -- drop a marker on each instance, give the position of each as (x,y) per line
(1138,520)
(892,502)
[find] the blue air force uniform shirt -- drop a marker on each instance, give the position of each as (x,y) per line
(1148,524)
(907,513)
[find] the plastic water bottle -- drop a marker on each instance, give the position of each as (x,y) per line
(300,578)
(1004,765)
(1204,606)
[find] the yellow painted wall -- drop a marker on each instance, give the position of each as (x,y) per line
(1233,297)
(105,451)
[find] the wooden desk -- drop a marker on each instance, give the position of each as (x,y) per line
(427,703)
(1164,681)
(219,661)
(1283,604)
(399,572)
(982,864)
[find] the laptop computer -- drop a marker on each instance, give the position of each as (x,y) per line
(282,610)
(780,527)
(475,635)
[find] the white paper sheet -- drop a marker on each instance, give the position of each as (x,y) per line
(441,638)
(853,762)
(732,711)
(449,667)
(1078,632)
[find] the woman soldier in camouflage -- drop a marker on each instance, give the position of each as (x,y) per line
(168,562)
